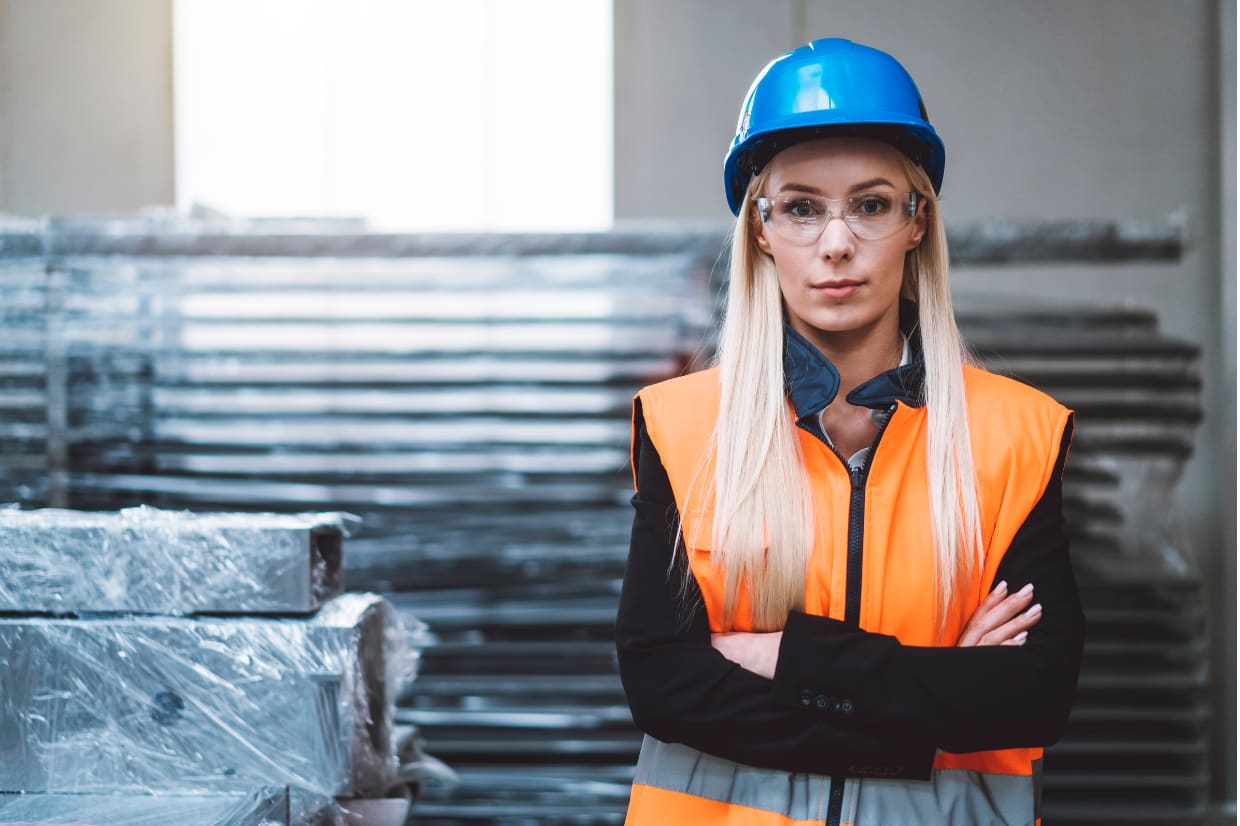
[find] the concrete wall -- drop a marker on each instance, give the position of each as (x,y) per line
(85,105)
(1049,109)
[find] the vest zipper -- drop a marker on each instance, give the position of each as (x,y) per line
(856,535)
(856,521)
(852,582)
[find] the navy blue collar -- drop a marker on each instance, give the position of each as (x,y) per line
(813,381)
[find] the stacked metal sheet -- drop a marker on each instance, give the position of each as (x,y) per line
(26,376)
(123,702)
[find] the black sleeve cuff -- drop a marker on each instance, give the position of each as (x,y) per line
(813,647)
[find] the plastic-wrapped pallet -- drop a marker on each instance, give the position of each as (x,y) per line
(150,561)
(268,806)
(205,705)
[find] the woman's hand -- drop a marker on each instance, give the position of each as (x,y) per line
(1001,619)
(752,652)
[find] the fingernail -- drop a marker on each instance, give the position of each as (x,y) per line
(1034,609)
(1020,638)
(1026,591)
(1001,587)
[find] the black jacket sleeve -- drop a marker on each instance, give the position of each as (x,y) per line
(962,699)
(682,690)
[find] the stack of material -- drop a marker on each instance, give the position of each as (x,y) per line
(25,374)
(122,697)
(148,561)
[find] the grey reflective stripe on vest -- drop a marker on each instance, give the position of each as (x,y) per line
(678,768)
(951,796)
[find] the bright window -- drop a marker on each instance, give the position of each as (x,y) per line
(416,115)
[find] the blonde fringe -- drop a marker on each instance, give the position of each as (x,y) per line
(763,524)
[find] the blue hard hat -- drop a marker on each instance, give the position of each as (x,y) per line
(829,87)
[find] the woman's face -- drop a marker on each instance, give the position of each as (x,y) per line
(839,283)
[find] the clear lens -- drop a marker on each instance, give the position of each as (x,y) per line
(800,218)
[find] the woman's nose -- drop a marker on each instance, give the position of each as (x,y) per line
(837,241)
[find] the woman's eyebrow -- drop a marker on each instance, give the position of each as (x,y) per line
(873,182)
(795,187)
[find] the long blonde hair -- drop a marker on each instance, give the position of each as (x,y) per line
(763,524)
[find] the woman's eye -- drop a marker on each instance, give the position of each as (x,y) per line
(802,209)
(870,206)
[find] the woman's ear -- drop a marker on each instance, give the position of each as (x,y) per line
(759,237)
(920,222)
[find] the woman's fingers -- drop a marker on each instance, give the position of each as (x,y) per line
(975,627)
(1014,628)
(971,632)
(994,612)
(995,597)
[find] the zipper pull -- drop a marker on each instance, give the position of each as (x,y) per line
(855,474)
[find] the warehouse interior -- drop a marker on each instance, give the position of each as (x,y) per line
(1090,200)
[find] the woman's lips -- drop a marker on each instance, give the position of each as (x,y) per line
(837,288)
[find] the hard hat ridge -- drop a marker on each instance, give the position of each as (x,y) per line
(829,88)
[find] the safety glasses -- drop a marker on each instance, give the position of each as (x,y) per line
(800,218)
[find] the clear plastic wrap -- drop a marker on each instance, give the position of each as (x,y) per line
(205,705)
(268,806)
(149,561)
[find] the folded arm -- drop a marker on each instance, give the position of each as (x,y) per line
(682,690)
(962,699)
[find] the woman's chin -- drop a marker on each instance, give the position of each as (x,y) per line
(840,320)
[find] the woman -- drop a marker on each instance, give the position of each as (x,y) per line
(829,613)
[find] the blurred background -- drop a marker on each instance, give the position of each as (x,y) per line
(1090,192)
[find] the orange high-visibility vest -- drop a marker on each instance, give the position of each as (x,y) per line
(1016,433)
